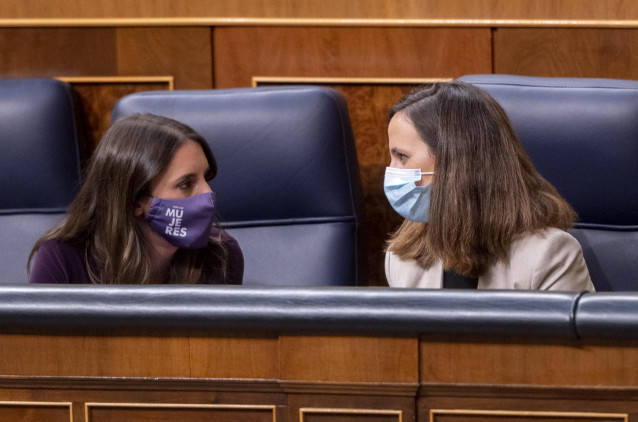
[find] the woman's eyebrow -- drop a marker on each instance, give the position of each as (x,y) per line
(184,177)
(396,150)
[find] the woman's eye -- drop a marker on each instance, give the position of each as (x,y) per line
(184,185)
(403,157)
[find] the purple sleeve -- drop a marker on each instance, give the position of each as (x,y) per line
(50,265)
(235,266)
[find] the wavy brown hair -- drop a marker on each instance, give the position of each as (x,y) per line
(485,190)
(133,151)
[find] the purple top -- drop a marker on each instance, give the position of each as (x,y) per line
(62,262)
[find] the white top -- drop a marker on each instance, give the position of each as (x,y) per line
(549,260)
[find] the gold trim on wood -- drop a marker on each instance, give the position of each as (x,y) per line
(256,80)
(41,404)
(622,417)
(238,21)
(170,80)
(273,407)
(320,410)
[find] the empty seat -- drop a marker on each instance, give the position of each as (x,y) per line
(288,184)
(582,135)
(39,166)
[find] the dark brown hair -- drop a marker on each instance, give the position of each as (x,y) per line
(133,151)
(485,190)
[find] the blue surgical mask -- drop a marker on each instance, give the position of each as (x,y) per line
(409,200)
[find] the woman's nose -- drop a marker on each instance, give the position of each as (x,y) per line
(204,188)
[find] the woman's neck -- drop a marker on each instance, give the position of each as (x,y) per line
(161,253)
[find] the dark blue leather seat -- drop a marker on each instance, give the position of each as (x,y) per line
(39,166)
(582,135)
(288,180)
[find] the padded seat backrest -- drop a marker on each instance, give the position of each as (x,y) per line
(288,184)
(39,166)
(582,135)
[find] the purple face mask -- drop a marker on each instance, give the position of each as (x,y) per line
(183,222)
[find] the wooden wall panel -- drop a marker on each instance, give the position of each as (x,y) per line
(94,102)
(25,355)
(49,52)
(376,9)
(219,357)
(348,359)
(586,52)
(168,413)
(362,415)
(506,416)
(35,412)
(184,53)
(241,53)
(521,364)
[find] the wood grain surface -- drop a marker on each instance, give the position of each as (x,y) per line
(241,53)
(343,378)
(348,359)
(528,364)
(94,102)
(184,52)
(49,52)
(227,357)
(591,53)
(362,9)
(34,412)
(29,355)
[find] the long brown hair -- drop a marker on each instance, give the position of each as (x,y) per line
(485,190)
(132,152)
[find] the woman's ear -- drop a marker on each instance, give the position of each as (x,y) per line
(142,206)
(139,209)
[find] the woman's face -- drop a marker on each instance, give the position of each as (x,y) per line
(407,149)
(185,176)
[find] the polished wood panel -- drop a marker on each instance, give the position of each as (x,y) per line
(347,415)
(185,53)
(35,411)
(94,102)
(242,53)
(220,357)
(597,53)
(527,364)
(114,412)
(376,9)
(50,52)
(496,416)
(94,356)
(348,359)
(336,378)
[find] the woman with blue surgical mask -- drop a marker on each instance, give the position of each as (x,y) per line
(144,215)
(477,213)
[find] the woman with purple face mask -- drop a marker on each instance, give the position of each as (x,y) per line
(144,215)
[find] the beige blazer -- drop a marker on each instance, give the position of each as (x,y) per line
(549,260)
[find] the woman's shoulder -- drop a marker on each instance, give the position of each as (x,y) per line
(59,261)
(410,273)
(227,240)
(554,260)
(549,237)
(235,259)
(61,249)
